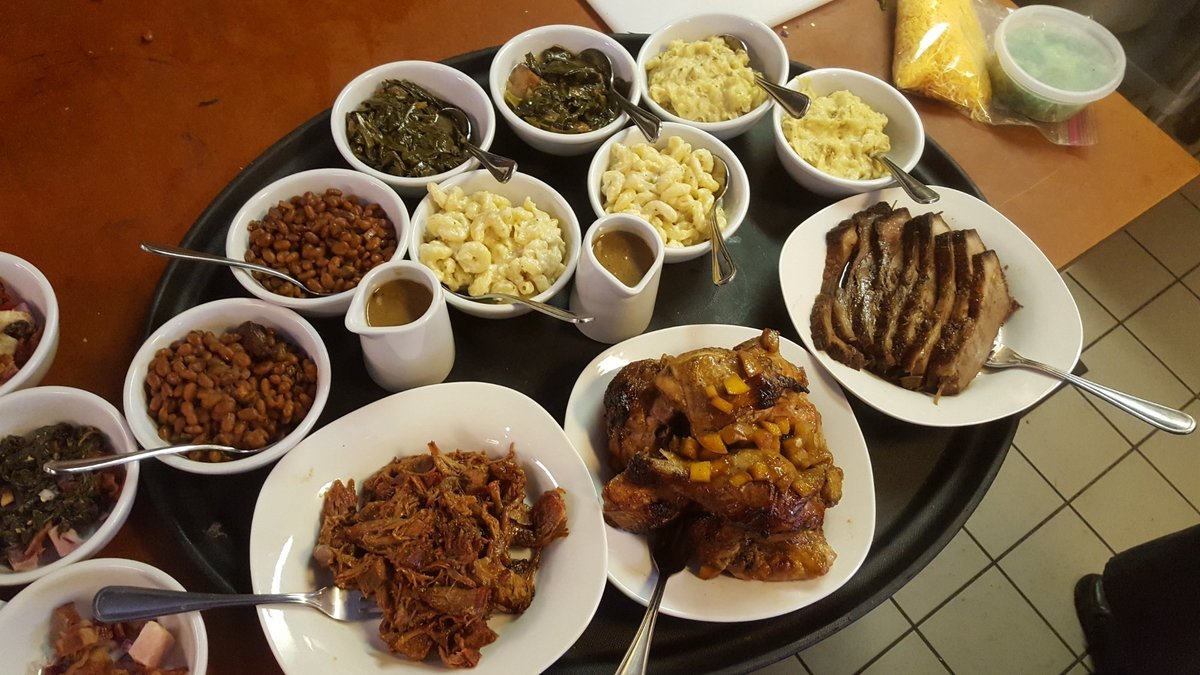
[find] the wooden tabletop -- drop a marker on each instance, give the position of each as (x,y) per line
(122,120)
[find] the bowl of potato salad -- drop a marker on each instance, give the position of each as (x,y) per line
(669,184)
(689,75)
(480,236)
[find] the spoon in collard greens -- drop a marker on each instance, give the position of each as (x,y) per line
(456,121)
(646,121)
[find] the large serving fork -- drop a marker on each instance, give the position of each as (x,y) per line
(129,603)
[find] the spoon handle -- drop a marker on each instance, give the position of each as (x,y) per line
(920,192)
(647,122)
(793,102)
(501,168)
(548,310)
(1154,414)
(201,256)
(723,267)
(57,466)
(638,655)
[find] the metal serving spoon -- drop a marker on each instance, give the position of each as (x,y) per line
(918,191)
(548,310)
(129,603)
(201,256)
(669,556)
(723,269)
(58,466)
(792,101)
(1167,419)
(647,122)
(457,121)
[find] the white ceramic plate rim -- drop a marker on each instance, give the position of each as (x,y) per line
(25,620)
(849,526)
(1046,328)
(466,415)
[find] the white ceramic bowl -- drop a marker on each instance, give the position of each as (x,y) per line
(24,411)
(576,39)
(316,181)
(27,283)
(447,83)
(904,129)
(737,196)
(218,316)
(25,622)
(768,56)
(515,190)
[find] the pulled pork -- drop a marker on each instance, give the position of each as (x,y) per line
(431,544)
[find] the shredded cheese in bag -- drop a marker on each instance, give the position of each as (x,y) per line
(941,52)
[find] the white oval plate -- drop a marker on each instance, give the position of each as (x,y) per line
(472,416)
(849,526)
(1046,328)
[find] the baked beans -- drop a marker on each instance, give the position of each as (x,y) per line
(246,388)
(327,241)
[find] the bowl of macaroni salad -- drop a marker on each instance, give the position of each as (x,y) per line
(670,185)
(853,117)
(479,236)
(688,75)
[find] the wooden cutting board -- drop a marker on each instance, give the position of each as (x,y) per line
(639,16)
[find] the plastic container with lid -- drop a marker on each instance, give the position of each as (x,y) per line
(1050,62)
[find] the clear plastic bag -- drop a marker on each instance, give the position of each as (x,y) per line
(943,51)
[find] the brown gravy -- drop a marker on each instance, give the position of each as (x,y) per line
(397,302)
(624,254)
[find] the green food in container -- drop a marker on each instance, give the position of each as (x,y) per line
(1049,63)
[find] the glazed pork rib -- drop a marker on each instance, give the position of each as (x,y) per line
(909,299)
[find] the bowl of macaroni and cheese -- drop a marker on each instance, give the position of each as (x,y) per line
(690,76)
(568,115)
(385,123)
(853,118)
(480,236)
(670,185)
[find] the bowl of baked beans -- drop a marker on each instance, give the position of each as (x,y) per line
(325,227)
(237,371)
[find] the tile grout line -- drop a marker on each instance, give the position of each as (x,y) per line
(1164,477)
(922,637)
(1067,501)
(1038,612)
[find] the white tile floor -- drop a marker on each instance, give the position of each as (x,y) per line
(1081,481)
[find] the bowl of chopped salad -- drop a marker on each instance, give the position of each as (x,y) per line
(28,324)
(48,522)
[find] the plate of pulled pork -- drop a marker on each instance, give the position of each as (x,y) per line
(902,303)
(460,508)
(738,434)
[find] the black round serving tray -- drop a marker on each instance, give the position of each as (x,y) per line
(927,480)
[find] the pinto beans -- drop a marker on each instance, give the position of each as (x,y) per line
(225,393)
(327,241)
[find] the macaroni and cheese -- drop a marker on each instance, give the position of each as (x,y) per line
(671,188)
(703,81)
(483,243)
(839,135)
